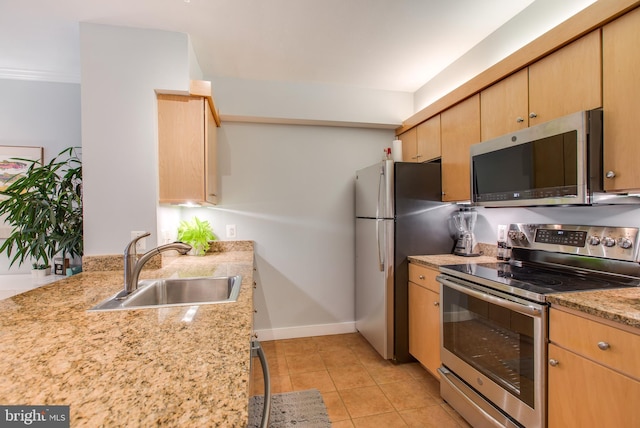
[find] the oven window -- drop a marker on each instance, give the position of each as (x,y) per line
(494,340)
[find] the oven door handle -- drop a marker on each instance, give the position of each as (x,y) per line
(516,307)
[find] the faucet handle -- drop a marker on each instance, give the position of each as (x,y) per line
(131,246)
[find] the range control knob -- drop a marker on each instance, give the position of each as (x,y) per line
(608,241)
(625,243)
(594,240)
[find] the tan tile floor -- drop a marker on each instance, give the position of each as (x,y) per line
(359,388)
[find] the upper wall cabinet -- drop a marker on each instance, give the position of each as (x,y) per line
(621,102)
(187,149)
(505,106)
(460,126)
(422,143)
(567,81)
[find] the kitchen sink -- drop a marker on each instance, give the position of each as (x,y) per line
(159,293)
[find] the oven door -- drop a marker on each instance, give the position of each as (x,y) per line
(496,344)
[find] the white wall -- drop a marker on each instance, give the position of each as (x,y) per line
(121,67)
(532,22)
(300,102)
(290,189)
(40,114)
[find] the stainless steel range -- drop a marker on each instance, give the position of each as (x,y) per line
(494,316)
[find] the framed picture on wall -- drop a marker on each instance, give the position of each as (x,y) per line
(11,168)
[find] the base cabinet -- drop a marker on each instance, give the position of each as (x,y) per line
(592,373)
(424,317)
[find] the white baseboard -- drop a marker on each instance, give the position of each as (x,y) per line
(306,331)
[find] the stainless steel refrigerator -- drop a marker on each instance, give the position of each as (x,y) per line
(398,214)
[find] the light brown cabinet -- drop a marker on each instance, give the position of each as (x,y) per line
(424,317)
(592,374)
(621,102)
(409,145)
(564,82)
(460,128)
(422,143)
(567,81)
(187,150)
(505,106)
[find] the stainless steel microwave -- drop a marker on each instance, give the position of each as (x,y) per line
(554,163)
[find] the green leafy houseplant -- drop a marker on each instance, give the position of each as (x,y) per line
(196,233)
(44,209)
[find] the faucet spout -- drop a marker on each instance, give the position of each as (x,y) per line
(133,267)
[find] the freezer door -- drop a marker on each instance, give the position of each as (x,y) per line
(374,191)
(374,286)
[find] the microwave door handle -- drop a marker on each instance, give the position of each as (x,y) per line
(516,307)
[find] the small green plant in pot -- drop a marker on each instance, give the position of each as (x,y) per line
(197,233)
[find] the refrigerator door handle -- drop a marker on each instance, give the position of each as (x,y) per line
(381,261)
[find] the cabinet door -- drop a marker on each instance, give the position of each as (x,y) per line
(428,140)
(621,93)
(585,394)
(424,317)
(211,154)
(181,148)
(460,127)
(504,106)
(567,81)
(409,145)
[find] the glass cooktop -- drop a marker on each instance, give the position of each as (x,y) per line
(533,281)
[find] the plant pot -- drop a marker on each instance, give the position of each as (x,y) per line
(40,273)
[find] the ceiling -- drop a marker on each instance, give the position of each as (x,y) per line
(395,45)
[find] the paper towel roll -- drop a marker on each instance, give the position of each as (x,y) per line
(396,151)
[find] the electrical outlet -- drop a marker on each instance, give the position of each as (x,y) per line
(141,245)
(231,231)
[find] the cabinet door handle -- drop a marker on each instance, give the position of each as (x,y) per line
(421,276)
(436,304)
(553,363)
(533,115)
(610,174)
(603,346)
(519,119)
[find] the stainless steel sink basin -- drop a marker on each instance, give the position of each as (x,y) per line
(157,293)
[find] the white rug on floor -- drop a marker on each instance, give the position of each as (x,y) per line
(291,409)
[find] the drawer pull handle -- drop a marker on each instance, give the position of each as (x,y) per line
(421,276)
(603,345)
(553,363)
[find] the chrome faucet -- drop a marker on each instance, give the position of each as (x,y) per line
(133,266)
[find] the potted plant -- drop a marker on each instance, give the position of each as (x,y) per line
(197,233)
(44,209)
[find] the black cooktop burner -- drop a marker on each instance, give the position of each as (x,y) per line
(534,282)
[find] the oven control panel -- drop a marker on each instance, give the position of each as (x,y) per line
(609,242)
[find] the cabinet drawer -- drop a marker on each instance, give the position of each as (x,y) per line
(424,277)
(610,346)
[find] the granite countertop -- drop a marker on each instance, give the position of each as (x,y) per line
(621,305)
(437,260)
(142,367)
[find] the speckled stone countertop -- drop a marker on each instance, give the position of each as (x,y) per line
(437,260)
(621,305)
(135,368)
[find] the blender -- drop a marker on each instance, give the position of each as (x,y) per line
(465,221)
